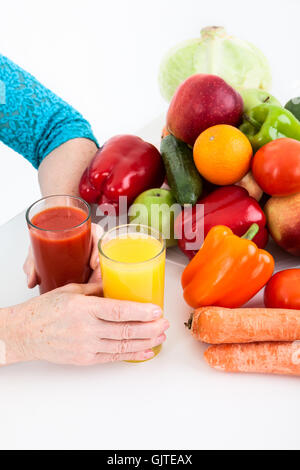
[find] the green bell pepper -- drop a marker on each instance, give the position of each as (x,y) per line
(266,122)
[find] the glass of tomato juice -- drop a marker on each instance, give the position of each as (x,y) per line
(60,234)
(132,261)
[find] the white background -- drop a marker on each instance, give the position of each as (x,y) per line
(103,58)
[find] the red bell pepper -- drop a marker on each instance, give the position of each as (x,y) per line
(126,166)
(86,189)
(231,206)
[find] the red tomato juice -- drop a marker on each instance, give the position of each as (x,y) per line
(61,243)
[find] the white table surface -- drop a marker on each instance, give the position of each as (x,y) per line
(174,401)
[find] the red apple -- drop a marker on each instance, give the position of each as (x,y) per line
(283,219)
(202,101)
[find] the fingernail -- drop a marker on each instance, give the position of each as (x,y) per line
(148,354)
(166,324)
(161,338)
(157,313)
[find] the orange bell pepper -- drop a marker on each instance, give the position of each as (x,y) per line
(227,270)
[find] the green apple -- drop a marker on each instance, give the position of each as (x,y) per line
(253,97)
(158,209)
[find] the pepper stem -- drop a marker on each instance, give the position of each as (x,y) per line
(188,324)
(251,232)
(252,121)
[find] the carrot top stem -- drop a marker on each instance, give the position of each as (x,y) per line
(188,324)
(251,232)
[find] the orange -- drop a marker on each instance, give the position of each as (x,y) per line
(222,154)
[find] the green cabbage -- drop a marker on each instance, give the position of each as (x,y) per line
(238,62)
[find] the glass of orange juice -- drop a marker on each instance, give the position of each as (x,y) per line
(132,261)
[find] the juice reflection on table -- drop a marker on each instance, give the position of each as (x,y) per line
(60,234)
(132,260)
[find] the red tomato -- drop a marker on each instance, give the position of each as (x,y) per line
(283,290)
(276,167)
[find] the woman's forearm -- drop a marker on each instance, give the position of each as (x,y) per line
(34,121)
(61,170)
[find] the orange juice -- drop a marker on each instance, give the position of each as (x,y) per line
(133,265)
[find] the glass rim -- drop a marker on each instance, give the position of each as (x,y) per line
(161,240)
(78,198)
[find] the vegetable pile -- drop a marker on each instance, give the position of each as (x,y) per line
(230,155)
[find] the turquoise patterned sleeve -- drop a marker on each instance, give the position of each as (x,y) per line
(33,120)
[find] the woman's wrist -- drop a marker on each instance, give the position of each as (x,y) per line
(61,171)
(14,343)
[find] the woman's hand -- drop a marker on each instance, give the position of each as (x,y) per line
(71,325)
(29,267)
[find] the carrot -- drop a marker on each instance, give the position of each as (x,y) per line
(217,325)
(270,358)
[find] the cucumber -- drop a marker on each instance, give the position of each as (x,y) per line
(182,174)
